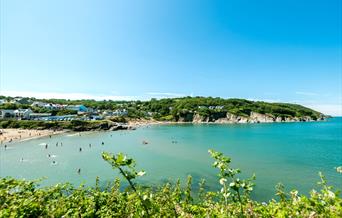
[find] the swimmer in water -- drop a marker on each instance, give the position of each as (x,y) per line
(5,147)
(56,144)
(79,171)
(46,146)
(49,155)
(102,143)
(80,149)
(89,145)
(53,162)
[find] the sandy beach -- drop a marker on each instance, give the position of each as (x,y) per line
(15,135)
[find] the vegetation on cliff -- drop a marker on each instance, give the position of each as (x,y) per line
(174,109)
(20,198)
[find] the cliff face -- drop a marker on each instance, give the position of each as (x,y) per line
(226,117)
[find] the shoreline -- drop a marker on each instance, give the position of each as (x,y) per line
(13,135)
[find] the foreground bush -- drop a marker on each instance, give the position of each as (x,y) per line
(19,198)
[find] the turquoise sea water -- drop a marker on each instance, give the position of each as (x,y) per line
(291,153)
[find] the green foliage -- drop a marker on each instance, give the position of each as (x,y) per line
(76,125)
(173,109)
(9,106)
(233,189)
(20,198)
(119,119)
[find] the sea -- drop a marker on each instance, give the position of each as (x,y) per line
(289,153)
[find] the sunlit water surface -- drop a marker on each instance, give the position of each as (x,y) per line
(290,153)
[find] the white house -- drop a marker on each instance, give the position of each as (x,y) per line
(120,112)
(22,113)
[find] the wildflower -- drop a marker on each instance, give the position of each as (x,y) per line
(222,181)
(226,195)
(331,194)
(141,173)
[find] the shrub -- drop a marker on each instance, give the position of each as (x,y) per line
(20,198)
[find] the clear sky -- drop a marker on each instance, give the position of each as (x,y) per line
(264,49)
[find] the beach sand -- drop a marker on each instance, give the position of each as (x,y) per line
(15,135)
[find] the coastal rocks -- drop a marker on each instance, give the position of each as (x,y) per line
(227,117)
(261,118)
(98,126)
(121,126)
(199,119)
(279,119)
(213,117)
(232,118)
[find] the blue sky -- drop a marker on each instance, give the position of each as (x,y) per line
(264,49)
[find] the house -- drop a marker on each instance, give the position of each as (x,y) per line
(6,114)
(216,107)
(22,113)
(78,108)
(49,106)
(38,104)
(107,113)
(120,112)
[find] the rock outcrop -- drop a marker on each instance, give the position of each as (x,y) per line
(226,117)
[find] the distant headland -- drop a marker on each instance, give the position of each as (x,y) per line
(83,115)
